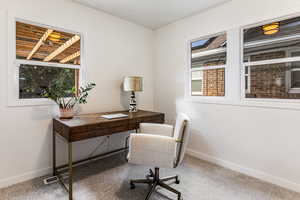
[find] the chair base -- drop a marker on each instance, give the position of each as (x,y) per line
(154,180)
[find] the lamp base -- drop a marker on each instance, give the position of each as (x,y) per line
(132,103)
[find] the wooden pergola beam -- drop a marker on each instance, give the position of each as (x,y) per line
(63,47)
(39,43)
(70,57)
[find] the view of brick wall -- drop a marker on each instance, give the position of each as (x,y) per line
(269,81)
(214,82)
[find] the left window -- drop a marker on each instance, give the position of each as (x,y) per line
(208,63)
(43,55)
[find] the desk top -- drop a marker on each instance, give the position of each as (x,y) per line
(95,118)
(92,125)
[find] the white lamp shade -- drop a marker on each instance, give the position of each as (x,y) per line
(133,83)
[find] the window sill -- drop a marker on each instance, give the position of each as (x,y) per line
(30,102)
(197,93)
(289,104)
(207,99)
(284,104)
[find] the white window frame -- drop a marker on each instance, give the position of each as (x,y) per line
(245,100)
(188,93)
(14,64)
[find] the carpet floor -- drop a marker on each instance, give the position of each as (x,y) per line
(108,179)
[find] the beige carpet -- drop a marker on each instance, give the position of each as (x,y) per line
(108,179)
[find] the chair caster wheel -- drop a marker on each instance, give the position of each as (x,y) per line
(132,186)
(177,181)
(180,198)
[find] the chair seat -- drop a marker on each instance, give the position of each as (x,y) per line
(152,150)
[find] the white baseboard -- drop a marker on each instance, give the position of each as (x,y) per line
(34,174)
(235,167)
(24,177)
(244,170)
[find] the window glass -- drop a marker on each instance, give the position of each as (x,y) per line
(272,60)
(197,82)
(276,81)
(280,35)
(43,44)
(246,82)
(246,70)
(275,30)
(209,43)
(33,79)
(295,79)
(208,62)
(295,53)
(197,87)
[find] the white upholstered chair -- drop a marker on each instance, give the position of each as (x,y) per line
(159,145)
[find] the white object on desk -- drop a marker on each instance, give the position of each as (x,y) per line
(113,116)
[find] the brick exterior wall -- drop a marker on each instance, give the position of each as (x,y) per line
(214,82)
(266,81)
(269,81)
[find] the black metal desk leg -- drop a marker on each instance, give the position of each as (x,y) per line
(54,153)
(70,172)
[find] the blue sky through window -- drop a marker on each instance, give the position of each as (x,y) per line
(199,43)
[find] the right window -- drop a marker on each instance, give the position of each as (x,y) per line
(271,60)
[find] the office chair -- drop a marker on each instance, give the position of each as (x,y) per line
(159,145)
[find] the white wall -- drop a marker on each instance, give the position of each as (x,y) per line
(113,48)
(258,140)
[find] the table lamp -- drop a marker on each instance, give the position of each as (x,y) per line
(133,84)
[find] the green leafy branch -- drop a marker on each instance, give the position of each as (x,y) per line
(65,97)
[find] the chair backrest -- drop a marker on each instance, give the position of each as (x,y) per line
(181,134)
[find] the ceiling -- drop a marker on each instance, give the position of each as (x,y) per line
(151,13)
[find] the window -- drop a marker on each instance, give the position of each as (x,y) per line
(44,54)
(208,62)
(33,79)
(272,60)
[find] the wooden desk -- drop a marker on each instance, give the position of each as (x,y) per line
(88,126)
